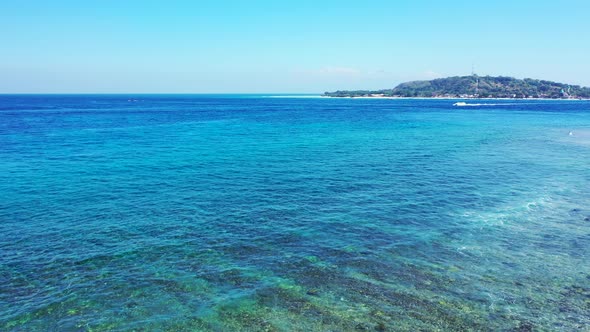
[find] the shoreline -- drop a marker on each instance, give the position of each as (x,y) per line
(459,98)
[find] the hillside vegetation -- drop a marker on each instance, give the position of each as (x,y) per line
(475,87)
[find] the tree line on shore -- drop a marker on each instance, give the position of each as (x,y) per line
(475,87)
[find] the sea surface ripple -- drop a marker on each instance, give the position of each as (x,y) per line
(247,213)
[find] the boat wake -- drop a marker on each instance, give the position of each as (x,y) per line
(464,104)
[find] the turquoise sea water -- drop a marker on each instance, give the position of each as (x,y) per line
(247,213)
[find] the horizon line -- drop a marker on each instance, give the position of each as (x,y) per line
(158,93)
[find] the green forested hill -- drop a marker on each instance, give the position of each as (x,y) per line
(476,87)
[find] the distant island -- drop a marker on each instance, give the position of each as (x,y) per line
(475,86)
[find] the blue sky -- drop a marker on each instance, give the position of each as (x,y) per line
(278,46)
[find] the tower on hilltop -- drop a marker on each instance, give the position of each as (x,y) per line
(476,80)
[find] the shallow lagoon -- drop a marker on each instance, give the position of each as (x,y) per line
(230,213)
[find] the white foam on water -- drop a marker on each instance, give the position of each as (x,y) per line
(505,214)
(461,104)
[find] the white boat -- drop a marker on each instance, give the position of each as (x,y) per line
(461,103)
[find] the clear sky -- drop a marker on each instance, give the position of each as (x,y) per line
(283,46)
